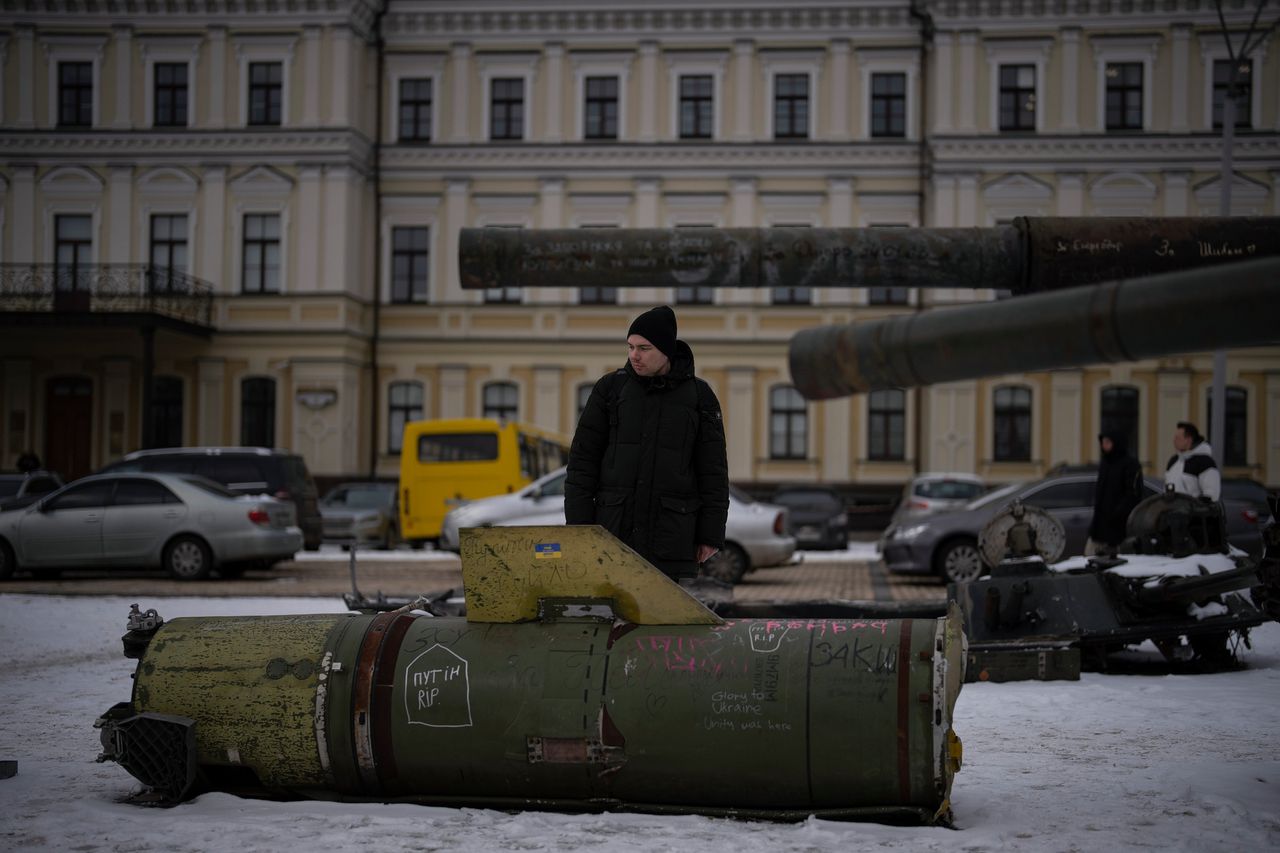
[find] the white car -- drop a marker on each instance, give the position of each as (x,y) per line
(755,533)
(935,492)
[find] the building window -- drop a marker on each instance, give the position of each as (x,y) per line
(266,88)
(164,421)
(1017,97)
(261,272)
(1119,407)
(501,401)
(697,106)
(404,404)
(695,295)
(792,295)
(601,117)
(584,394)
(1124,95)
(791,106)
(1012,423)
(72,250)
(415,110)
(75,94)
(170,94)
(887,425)
(168,251)
(887,295)
(258,412)
(788,424)
(506,108)
(598,296)
(889,104)
(1243,90)
(1235,447)
(409,264)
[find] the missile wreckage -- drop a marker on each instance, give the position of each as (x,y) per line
(581,678)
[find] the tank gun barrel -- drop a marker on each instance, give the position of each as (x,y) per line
(1129,320)
(1030,255)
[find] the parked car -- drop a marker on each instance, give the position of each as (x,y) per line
(19,490)
(361,514)
(817,515)
(185,524)
(947,543)
(755,533)
(247,470)
(933,492)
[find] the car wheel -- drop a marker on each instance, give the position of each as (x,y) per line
(188,558)
(7,563)
(959,561)
(729,564)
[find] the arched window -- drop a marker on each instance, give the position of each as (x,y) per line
(788,424)
(1012,420)
(1120,414)
(164,420)
(501,401)
(887,425)
(584,394)
(258,412)
(1235,447)
(404,404)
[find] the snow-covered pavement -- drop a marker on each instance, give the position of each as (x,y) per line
(1171,762)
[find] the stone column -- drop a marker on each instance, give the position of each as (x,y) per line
(546,398)
(739,417)
(1173,404)
(744,56)
(123,426)
(966,200)
(216,102)
(212,248)
(311,241)
(340,80)
(648,191)
(310,77)
(1070,121)
(967,80)
(123,119)
(339,241)
(1066,399)
(26,118)
(1180,86)
(551,215)
(120,207)
(460,74)
(554,64)
(1070,194)
(841,86)
(836,460)
(22,225)
(942,85)
(839,215)
(457,194)
(453,391)
(210,398)
(649,92)
(742,214)
(1175,193)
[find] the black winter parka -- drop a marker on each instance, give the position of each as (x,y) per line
(1118,491)
(648,464)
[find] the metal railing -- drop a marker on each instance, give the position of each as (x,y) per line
(106,288)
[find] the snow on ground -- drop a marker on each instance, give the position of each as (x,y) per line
(1169,762)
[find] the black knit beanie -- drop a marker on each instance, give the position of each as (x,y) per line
(659,326)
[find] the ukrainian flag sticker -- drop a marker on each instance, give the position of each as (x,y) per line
(546,551)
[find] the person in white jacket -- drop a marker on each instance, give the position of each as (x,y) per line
(1192,470)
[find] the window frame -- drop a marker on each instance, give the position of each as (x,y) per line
(1018,51)
(1235,422)
(776,62)
(155,268)
(242,408)
(432,110)
(91,98)
(796,417)
(699,63)
(601,133)
(158,50)
(395,253)
(486,407)
(1121,49)
(594,64)
(1213,50)
(395,442)
(1133,437)
(78,265)
(507,65)
(73,48)
(170,412)
(873,98)
(244,243)
(1017,88)
(998,412)
(253,49)
(270,119)
(890,415)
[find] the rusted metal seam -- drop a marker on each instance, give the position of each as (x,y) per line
(384,677)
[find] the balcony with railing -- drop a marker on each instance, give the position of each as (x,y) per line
(107,293)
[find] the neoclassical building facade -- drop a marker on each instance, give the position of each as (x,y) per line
(232,224)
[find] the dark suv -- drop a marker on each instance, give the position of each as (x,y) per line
(247,470)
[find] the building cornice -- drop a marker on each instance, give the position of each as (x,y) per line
(1093,152)
(280,147)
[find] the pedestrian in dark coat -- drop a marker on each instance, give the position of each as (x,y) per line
(648,459)
(1118,490)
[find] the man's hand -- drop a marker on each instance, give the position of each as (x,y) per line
(706,552)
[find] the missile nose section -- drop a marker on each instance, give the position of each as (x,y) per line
(581,679)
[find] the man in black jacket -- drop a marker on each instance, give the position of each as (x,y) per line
(1118,490)
(648,459)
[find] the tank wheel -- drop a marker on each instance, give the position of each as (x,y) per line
(958,561)
(188,558)
(8,565)
(728,565)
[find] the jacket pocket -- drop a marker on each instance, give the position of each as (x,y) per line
(675,528)
(611,510)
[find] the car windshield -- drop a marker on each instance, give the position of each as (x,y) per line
(360,497)
(961,490)
(991,497)
(207,485)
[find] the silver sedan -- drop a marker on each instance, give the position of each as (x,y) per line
(182,523)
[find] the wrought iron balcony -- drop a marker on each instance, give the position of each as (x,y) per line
(105,290)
